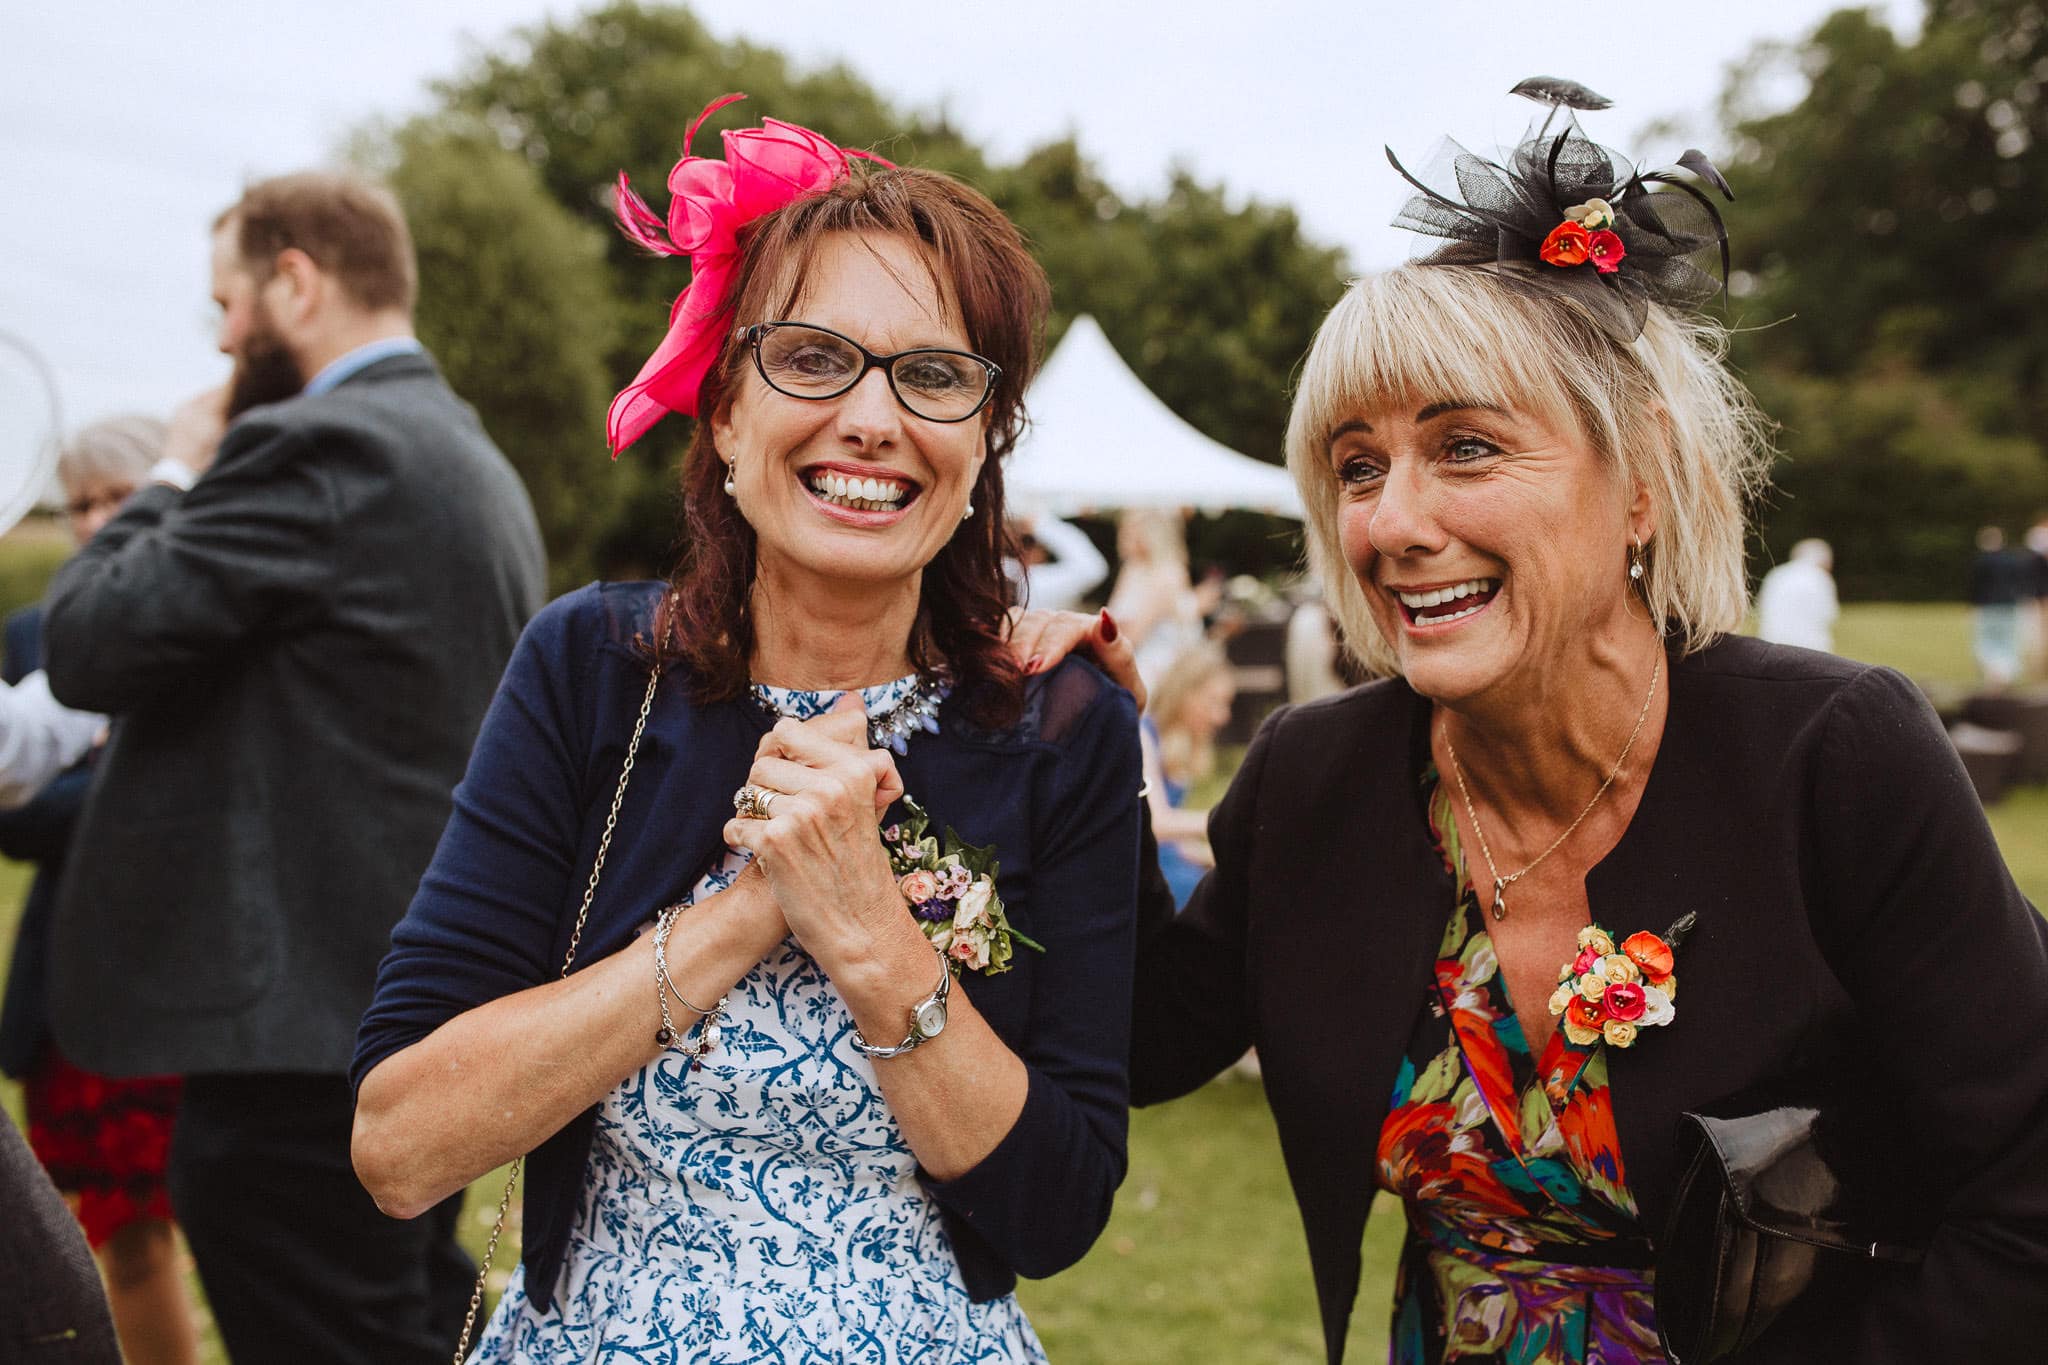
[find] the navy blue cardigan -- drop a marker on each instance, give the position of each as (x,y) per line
(1056,794)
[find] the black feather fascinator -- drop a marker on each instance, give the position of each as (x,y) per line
(1570,216)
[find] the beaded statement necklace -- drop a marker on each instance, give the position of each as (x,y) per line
(917,711)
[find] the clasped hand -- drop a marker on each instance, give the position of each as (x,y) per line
(820,848)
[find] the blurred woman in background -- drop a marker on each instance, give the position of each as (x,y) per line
(103,1140)
(1154,602)
(1188,709)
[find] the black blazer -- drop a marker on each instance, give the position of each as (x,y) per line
(1854,915)
(297,652)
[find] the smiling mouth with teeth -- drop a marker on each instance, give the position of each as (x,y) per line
(860,494)
(1440,606)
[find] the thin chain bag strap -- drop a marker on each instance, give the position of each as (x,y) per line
(476,1294)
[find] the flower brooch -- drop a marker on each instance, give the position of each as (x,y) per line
(1586,234)
(950,887)
(1614,994)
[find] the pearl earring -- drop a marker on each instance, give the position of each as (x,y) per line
(969,513)
(1635,563)
(730,491)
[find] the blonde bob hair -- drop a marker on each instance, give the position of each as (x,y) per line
(1663,411)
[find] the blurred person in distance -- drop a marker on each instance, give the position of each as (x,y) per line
(100,468)
(1312,645)
(1223,615)
(297,625)
(1525,484)
(40,737)
(105,1140)
(1154,602)
(1183,716)
(2036,544)
(1056,564)
(2001,592)
(1795,603)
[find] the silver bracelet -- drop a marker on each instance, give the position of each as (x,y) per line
(709,1026)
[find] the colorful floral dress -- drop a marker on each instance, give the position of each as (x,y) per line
(763,1207)
(1524,1246)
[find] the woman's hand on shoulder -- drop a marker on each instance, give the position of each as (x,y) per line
(819,847)
(1040,639)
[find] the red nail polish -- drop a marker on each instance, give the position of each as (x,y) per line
(1108,627)
(1034,663)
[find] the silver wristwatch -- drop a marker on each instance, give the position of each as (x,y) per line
(927,1019)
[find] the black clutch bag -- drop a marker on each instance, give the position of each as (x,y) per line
(1761,1211)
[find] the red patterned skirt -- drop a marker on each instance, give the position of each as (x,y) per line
(104,1142)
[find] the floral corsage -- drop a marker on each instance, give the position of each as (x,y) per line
(951,890)
(1614,994)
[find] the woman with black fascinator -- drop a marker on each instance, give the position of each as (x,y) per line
(1452,909)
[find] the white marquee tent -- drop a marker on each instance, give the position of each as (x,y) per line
(1099,439)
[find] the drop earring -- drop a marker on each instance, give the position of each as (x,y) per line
(1635,562)
(730,491)
(968,514)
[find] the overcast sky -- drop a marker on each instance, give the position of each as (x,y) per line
(125,127)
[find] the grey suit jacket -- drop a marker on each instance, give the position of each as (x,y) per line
(297,653)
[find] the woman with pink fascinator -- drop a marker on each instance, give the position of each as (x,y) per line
(782,918)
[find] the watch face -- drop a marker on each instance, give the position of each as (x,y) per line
(930,1018)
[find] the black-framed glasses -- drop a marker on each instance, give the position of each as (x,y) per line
(804,361)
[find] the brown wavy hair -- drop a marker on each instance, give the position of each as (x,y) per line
(980,262)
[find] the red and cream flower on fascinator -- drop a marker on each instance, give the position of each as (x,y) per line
(1611,237)
(765,169)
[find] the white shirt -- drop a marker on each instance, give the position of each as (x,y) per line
(1795,605)
(39,737)
(1076,566)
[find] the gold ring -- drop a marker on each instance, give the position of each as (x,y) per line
(751,802)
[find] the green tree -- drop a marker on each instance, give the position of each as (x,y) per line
(1886,468)
(1212,304)
(516,305)
(1892,255)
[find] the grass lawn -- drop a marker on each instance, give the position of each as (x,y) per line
(1926,641)
(1203,1259)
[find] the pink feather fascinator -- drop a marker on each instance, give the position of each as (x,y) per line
(765,169)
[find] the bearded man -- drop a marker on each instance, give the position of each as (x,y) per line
(297,629)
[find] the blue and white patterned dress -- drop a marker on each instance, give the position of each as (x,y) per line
(762,1207)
